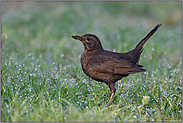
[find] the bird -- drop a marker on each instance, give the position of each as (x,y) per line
(107,66)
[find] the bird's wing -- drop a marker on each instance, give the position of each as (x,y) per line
(114,65)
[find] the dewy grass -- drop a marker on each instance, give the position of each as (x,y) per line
(42,79)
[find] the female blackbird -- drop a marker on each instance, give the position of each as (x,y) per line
(109,67)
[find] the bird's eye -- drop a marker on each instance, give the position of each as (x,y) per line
(88,39)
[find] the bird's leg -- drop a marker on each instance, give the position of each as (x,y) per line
(112,89)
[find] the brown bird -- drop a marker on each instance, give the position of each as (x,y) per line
(109,67)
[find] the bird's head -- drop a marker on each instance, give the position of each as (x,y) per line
(90,42)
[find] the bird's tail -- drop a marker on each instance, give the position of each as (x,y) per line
(135,53)
(144,40)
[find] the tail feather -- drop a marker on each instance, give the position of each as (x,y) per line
(144,40)
(135,70)
(134,54)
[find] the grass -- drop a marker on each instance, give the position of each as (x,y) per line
(41,75)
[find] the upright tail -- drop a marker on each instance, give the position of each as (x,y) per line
(135,53)
(144,40)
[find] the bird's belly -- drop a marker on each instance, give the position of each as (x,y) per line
(99,76)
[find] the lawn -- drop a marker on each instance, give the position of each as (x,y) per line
(41,75)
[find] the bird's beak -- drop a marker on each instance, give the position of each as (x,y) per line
(77,37)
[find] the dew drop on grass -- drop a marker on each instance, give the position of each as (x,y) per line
(40,56)
(85,102)
(62,55)
(7,106)
(146,73)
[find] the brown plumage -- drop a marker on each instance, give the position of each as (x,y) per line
(109,67)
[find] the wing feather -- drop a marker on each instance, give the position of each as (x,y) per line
(114,65)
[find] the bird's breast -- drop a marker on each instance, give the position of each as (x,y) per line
(84,63)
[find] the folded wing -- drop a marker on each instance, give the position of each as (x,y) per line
(112,64)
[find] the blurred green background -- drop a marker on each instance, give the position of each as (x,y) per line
(45,28)
(37,49)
